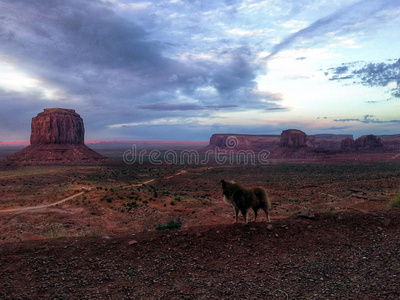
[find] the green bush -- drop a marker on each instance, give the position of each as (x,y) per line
(170,225)
(395,203)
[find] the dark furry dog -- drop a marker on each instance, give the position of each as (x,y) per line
(242,199)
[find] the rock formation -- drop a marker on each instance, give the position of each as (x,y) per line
(57,137)
(368,142)
(293,138)
(347,143)
(57,126)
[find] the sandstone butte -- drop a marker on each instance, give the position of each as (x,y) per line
(293,138)
(57,137)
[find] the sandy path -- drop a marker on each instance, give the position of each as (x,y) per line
(396,156)
(152,180)
(22,209)
(30,208)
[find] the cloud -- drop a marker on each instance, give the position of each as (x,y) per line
(108,66)
(164,106)
(382,74)
(342,21)
(337,128)
(278,108)
(244,32)
(367,119)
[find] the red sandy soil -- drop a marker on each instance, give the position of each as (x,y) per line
(103,245)
(351,255)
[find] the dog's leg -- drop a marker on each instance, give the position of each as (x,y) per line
(245,213)
(236,214)
(267,214)
(255,214)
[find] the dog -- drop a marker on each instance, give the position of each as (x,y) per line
(242,199)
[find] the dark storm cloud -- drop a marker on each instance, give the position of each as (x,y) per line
(84,48)
(341,21)
(369,74)
(113,70)
(81,46)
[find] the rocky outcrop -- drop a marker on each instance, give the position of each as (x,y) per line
(368,142)
(348,143)
(57,137)
(292,138)
(57,126)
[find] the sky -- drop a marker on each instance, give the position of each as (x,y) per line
(184,70)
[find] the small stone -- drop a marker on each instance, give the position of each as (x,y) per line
(133,242)
(306,213)
(269,227)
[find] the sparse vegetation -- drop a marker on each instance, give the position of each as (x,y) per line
(130,205)
(56,231)
(174,223)
(395,203)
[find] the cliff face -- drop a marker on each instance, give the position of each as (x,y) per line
(347,143)
(57,126)
(293,138)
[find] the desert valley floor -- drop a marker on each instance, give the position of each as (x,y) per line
(69,232)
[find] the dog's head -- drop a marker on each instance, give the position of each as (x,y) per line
(227,187)
(223,182)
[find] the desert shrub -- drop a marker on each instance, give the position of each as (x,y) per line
(55,231)
(395,203)
(93,234)
(170,225)
(130,205)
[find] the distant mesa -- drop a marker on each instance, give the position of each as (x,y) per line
(57,137)
(243,141)
(297,140)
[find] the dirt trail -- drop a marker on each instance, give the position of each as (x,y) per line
(22,209)
(30,208)
(396,156)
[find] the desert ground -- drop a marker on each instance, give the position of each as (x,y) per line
(69,232)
